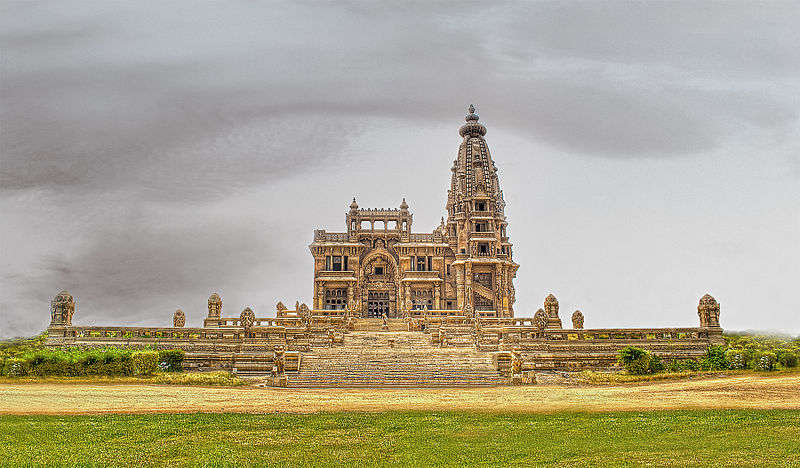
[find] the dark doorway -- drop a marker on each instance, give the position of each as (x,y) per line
(377,304)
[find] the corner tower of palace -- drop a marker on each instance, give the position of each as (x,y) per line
(378,266)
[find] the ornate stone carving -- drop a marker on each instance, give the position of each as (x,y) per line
(577,320)
(281,308)
(708,311)
(214,306)
(179,319)
(247,318)
(62,308)
(279,359)
(540,319)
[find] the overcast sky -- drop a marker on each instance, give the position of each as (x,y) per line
(155,152)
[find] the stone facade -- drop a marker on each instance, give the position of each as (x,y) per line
(379,266)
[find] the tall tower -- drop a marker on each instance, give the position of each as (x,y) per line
(476,227)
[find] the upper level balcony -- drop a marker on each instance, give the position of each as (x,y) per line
(482,235)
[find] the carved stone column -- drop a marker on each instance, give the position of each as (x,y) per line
(320,297)
(468,284)
(437,296)
(459,286)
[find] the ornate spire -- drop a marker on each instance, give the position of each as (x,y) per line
(404,205)
(354,205)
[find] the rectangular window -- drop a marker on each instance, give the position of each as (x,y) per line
(483,248)
(337,263)
(378,270)
(430,263)
(413,265)
(421,264)
(448,270)
(480,206)
(328,263)
(344,263)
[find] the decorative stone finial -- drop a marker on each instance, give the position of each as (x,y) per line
(354,205)
(472,116)
(577,320)
(472,127)
(214,306)
(247,318)
(540,319)
(62,308)
(404,205)
(179,319)
(708,311)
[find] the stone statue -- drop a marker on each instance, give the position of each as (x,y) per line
(281,308)
(280,360)
(577,320)
(469,311)
(179,319)
(516,363)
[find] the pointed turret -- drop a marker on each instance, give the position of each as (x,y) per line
(476,224)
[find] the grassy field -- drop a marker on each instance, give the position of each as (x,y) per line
(735,392)
(671,438)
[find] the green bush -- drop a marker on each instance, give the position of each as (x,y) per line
(786,358)
(14,367)
(656,364)
(171,360)
(682,365)
(636,361)
(766,361)
(715,359)
(736,359)
(144,362)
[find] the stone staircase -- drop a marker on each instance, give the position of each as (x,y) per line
(395,359)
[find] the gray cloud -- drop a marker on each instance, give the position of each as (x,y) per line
(118,118)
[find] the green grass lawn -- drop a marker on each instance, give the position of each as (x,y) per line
(672,438)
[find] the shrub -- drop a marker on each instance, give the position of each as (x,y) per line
(656,364)
(144,362)
(736,359)
(14,367)
(786,358)
(766,361)
(171,360)
(635,360)
(715,359)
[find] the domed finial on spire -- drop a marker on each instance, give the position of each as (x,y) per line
(472,127)
(472,117)
(354,205)
(404,205)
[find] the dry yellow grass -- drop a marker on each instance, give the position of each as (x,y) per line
(738,392)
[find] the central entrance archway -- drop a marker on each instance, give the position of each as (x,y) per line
(379,285)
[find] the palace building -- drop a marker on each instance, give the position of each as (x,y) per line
(396,308)
(379,266)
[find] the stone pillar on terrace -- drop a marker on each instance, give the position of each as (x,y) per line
(62,308)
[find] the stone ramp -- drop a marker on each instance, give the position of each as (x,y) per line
(395,359)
